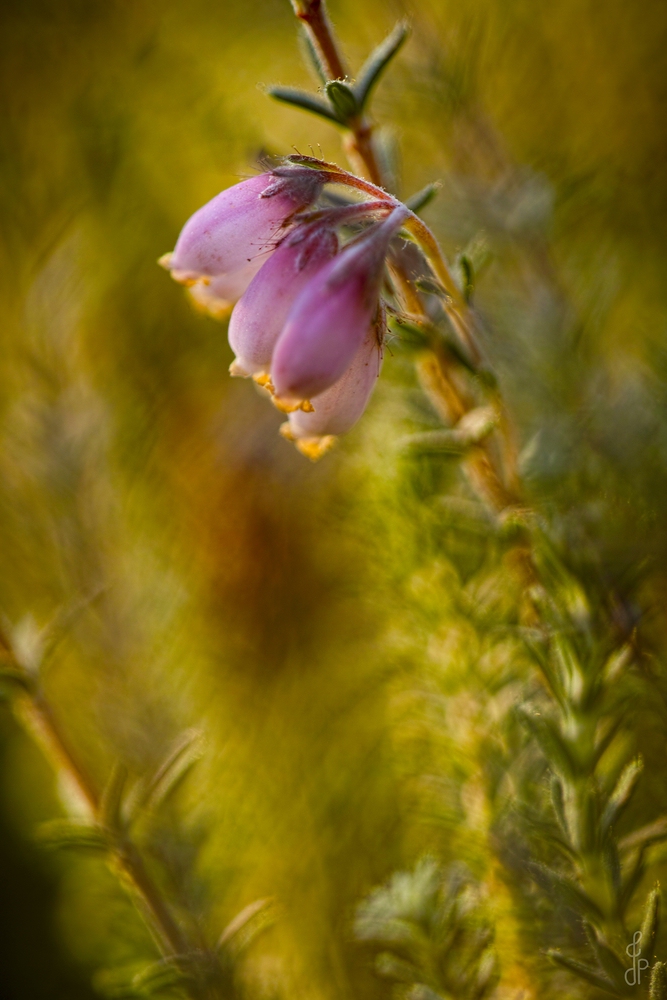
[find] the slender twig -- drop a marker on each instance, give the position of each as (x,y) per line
(359,142)
(37,716)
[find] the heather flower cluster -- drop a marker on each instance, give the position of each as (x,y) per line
(305,283)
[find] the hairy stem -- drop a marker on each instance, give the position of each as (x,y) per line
(359,142)
(313,16)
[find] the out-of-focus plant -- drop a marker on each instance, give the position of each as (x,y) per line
(109,821)
(431,923)
(587,759)
(325,265)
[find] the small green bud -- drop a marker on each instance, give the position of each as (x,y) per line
(342,100)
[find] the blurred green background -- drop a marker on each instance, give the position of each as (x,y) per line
(314,621)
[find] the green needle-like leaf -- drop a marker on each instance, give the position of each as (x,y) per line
(634,876)
(651,922)
(377,62)
(150,794)
(608,959)
(658,988)
(622,793)
(165,974)
(111,806)
(245,926)
(65,833)
(551,743)
(422,198)
(307,102)
(584,972)
(558,803)
(565,890)
(313,55)
(14,680)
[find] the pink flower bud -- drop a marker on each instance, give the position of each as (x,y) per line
(259,316)
(330,319)
(338,409)
(241,222)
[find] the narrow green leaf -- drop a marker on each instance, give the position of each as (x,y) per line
(312,55)
(587,820)
(392,967)
(635,874)
(605,737)
(612,862)
(652,833)
(305,101)
(651,922)
(584,972)
(551,742)
(617,664)
(164,974)
(182,757)
(342,100)
(387,153)
(658,987)
(422,198)
(558,803)
(248,923)
(609,961)
(622,793)
(570,672)
(378,61)
(565,890)
(112,797)
(467,276)
(65,833)
(14,679)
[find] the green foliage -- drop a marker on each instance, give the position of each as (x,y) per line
(377,63)
(373,675)
(346,102)
(431,923)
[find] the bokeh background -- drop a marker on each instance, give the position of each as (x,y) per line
(330,627)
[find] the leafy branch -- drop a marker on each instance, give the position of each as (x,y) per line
(186,964)
(575,722)
(431,926)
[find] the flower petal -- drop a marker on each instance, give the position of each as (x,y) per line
(331,317)
(260,315)
(337,410)
(240,223)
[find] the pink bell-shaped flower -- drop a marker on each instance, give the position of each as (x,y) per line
(241,223)
(260,314)
(330,318)
(337,409)
(217,295)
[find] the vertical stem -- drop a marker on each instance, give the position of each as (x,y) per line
(359,143)
(313,15)
(38,717)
